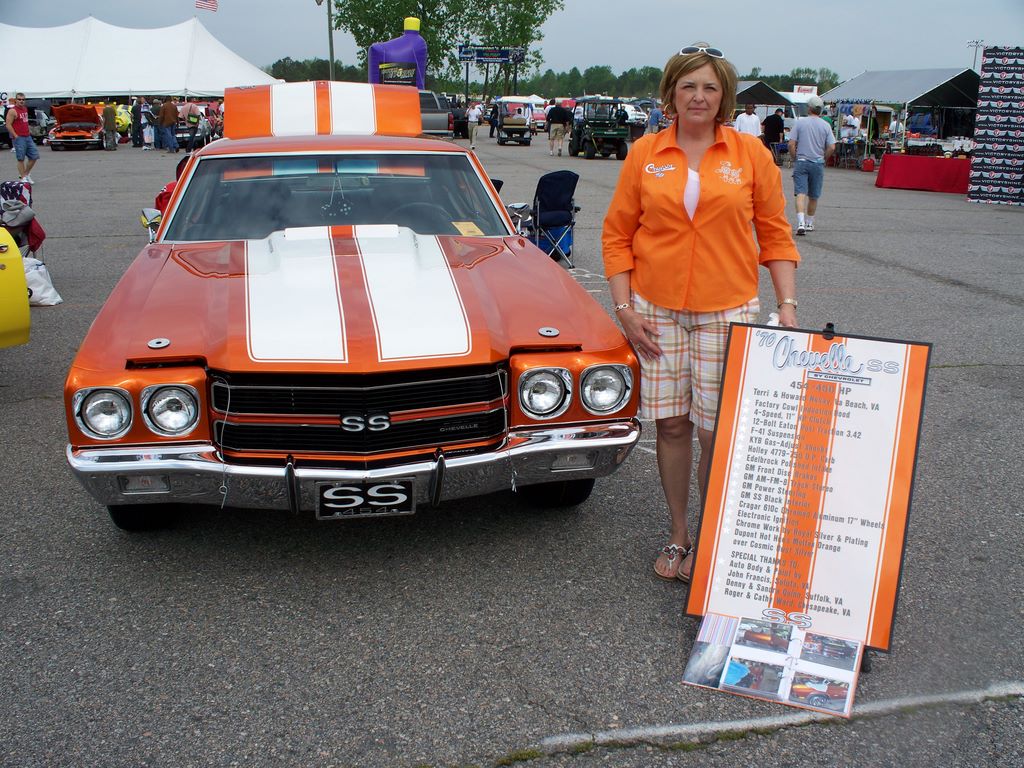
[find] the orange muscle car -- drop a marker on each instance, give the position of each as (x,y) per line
(78,125)
(339,317)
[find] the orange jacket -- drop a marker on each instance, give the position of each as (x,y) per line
(709,263)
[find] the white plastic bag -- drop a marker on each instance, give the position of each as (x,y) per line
(41,292)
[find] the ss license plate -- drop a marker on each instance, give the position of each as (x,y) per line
(339,501)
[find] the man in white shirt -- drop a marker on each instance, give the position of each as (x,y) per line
(748,122)
(850,127)
(473,118)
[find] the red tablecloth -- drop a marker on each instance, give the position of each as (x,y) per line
(933,174)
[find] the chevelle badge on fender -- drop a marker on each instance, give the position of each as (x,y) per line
(338,317)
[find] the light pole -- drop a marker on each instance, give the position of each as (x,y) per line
(975,44)
(330,38)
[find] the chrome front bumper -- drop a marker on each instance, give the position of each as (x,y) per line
(193,474)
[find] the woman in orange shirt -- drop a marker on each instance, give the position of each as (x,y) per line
(682,263)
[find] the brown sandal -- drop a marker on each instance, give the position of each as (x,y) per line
(674,552)
(679,571)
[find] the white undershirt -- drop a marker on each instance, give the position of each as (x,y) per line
(692,192)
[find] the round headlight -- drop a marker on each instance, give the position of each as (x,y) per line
(171,410)
(544,392)
(606,388)
(106,413)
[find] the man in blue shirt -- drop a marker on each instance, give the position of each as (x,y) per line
(654,120)
(811,143)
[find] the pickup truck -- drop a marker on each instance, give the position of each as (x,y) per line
(459,124)
(437,116)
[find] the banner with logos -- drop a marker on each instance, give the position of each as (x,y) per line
(997,162)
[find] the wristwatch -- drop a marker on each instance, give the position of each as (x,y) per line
(787,301)
(620,307)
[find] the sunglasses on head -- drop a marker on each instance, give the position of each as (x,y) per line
(712,52)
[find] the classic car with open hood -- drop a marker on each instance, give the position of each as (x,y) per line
(338,317)
(78,125)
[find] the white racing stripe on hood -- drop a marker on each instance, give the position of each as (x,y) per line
(417,309)
(293,309)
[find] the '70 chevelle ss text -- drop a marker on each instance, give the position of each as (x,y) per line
(341,318)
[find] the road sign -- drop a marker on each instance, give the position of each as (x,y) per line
(490,54)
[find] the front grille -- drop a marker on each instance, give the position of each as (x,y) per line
(319,395)
(291,399)
(307,438)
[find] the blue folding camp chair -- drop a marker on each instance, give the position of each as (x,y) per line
(554,215)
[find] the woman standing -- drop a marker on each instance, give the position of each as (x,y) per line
(682,263)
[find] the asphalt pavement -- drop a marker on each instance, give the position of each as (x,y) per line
(487,633)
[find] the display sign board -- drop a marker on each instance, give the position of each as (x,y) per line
(801,542)
(809,488)
(490,54)
(997,162)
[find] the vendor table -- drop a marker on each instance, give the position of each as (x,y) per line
(933,174)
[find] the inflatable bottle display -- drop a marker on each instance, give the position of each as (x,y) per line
(402,61)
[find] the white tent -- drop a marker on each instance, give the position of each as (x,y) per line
(92,58)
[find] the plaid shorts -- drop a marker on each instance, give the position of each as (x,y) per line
(688,375)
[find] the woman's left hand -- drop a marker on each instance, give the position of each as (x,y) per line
(787,316)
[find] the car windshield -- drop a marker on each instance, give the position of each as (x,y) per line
(246,198)
(600,111)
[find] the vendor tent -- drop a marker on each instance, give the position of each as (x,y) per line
(911,87)
(758,92)
(92,58)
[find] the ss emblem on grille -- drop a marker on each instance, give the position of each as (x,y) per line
(372,422)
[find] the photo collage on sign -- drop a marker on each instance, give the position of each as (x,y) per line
(775,661)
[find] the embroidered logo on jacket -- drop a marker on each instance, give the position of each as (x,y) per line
(729,174)
(658,170)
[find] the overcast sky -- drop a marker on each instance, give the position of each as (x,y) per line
(848,37)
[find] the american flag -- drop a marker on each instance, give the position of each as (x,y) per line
(207,5)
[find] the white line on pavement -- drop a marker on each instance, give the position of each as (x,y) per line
(693,731)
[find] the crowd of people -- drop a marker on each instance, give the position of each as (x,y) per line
(153,125)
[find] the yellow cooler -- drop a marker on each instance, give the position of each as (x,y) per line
(14,316)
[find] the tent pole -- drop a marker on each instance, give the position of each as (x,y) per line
(906,129)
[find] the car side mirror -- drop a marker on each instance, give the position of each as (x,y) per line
(520,213)
(150,219)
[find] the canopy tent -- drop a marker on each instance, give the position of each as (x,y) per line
(950,94)
(911,87)
(758,92)
(92,58)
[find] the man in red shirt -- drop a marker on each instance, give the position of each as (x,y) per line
(24,146)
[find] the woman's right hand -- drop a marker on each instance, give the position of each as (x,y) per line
(640,333)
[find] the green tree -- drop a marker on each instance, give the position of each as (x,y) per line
(827,79)
(290,70)
(599,79)
(514,25)
(443,23)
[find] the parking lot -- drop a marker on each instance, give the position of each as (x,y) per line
(484,632)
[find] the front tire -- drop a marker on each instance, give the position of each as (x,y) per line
(564,493)
(143,517)
(819,700)
(589,150)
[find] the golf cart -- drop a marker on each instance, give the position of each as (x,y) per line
(515,118)
(603,130)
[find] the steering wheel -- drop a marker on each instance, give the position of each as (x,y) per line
(424,218)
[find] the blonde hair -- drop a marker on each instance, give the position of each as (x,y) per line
(685,63)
